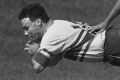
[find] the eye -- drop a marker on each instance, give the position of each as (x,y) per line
(25,28)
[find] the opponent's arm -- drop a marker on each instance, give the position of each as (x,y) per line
(112,15)
(114,12)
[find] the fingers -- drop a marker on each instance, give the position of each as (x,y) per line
(97,29)
(29,52)
(26,49)
(100,31)
(31,49)
(93,30)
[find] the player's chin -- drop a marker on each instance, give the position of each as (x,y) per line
(36,39)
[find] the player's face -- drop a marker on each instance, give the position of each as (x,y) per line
(31,29)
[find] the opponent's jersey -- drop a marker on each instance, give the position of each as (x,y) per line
(73,42)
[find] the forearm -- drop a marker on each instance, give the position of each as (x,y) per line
(40,61)
(36,66)
(114,13)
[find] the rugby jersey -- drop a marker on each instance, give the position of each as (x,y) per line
(72,42)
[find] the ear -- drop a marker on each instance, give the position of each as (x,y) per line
(38,22)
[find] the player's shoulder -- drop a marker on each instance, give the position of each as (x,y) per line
(62,22)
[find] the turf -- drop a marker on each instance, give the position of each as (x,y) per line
(16,65)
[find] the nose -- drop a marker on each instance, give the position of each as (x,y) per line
(27,35)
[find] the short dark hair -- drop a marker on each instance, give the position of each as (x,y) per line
(34,11)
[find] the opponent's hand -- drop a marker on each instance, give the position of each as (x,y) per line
(84,26)
(31,48)
(99,28)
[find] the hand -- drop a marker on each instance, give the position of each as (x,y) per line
(99,28)
(84,26)
(31,48)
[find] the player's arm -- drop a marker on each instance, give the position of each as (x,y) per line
(40,61)
(112,15)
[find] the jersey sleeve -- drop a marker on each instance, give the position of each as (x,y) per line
(54,40)
(53,44)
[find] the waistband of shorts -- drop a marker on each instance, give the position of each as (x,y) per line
(91,59)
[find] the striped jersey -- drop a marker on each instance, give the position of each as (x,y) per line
(72,42)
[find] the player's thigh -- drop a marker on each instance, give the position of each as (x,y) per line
(112,42)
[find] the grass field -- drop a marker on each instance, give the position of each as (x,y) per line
(15,64)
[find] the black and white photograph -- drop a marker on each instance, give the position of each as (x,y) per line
(60,39)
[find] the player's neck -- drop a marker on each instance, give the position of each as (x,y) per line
(48,24)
